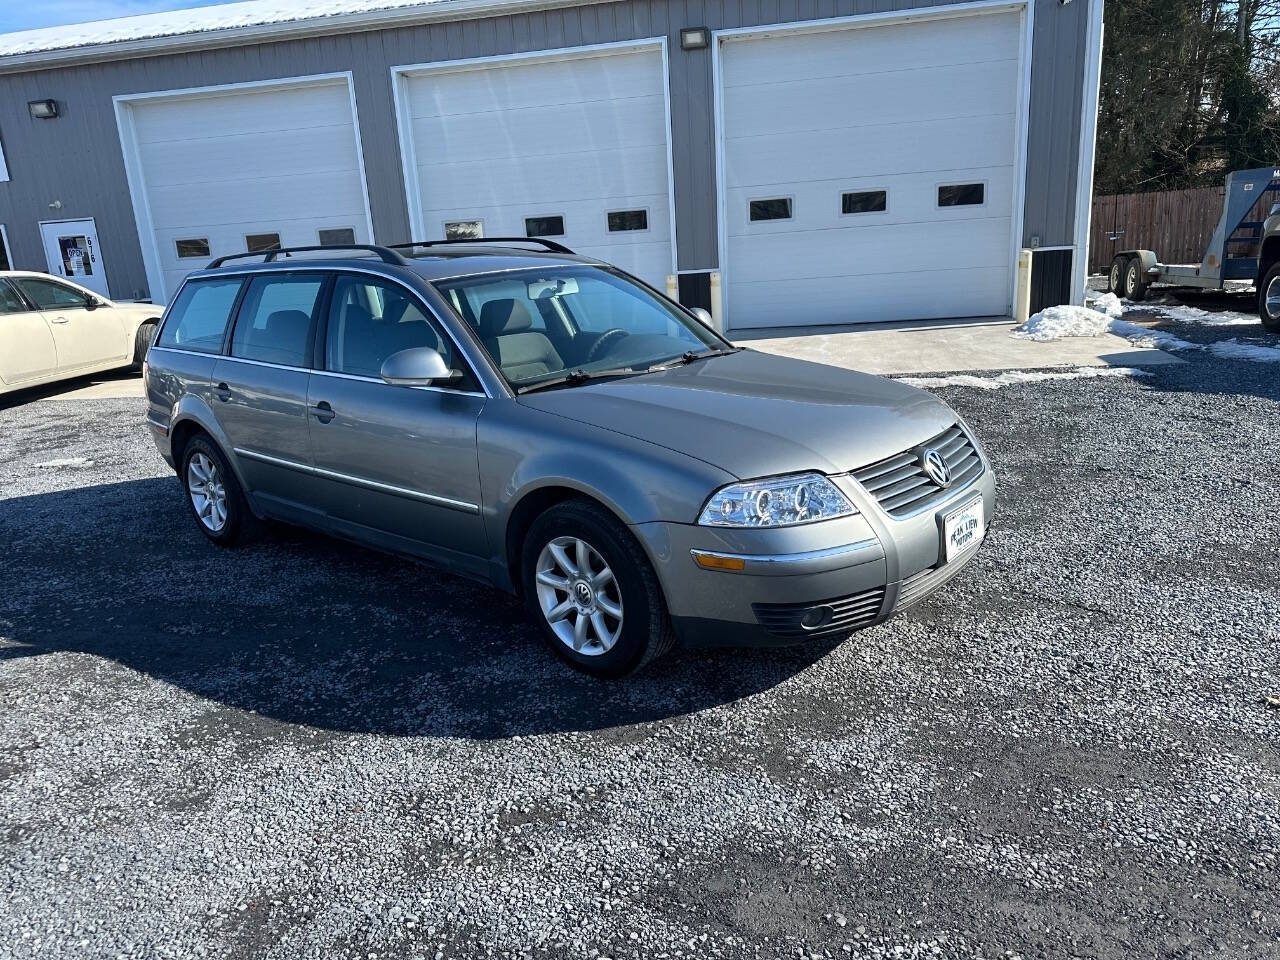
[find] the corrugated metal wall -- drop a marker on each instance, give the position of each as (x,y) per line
(76,158)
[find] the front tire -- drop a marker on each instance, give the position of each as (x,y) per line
(213,494)
(592,591)
(1269,299)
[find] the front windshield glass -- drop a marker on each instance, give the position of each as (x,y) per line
(542,324)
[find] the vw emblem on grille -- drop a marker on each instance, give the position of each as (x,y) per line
(935,467)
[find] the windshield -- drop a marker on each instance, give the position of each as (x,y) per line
(565,323)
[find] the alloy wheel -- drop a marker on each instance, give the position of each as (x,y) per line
(1273,298)
(207,491)
(579,596)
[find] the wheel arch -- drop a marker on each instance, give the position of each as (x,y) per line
(531,504)
(193,416)
(1146,257)
(1268,256)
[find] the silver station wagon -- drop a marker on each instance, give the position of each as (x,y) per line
(546,423)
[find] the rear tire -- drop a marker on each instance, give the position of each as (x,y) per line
(609,619)
(1115,279)
(1135,281)
(213,494)
(1269,299)
(142,341)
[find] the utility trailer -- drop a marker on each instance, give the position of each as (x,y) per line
(1243,247)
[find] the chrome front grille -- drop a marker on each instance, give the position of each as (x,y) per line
(900,483)
(846,615)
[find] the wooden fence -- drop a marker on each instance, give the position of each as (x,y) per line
(1176,224)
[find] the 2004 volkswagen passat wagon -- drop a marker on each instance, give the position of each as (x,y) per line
(551,425)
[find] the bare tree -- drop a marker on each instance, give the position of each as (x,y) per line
(1190,90)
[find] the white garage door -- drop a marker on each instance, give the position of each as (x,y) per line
(225,170)
(869,173)
(573,149)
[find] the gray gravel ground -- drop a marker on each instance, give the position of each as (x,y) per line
(303,749)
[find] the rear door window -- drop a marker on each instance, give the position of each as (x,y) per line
(276,322)
(198,318)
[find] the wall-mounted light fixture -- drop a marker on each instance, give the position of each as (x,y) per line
(695,38)
(42,109)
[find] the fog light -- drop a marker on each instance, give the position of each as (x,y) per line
(816,617)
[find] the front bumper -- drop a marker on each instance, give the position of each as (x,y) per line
(807,582)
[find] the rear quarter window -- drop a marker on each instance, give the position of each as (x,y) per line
(198,319)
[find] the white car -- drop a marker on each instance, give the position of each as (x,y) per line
(51,329)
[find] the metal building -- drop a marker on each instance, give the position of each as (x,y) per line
(817,161)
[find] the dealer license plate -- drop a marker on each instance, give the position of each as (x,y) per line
(962,530)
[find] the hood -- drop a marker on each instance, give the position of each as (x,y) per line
(756,414)
(143,311)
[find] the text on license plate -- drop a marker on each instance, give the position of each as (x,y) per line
(962,529)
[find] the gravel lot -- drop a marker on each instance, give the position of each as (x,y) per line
(303,749)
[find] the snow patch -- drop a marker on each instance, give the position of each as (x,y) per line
(1012,377)
(1054,323)
(1178,311)
(65,462)
(1227,349)
(1109,304)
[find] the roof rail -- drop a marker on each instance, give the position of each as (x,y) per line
(386,254)
(551,245)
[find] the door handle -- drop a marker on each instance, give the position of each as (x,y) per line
(323,412)
(59,320)
(222,392)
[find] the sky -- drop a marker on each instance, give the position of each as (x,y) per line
(25,15)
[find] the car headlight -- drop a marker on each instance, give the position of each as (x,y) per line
(776,502)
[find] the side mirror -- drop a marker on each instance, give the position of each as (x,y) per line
(416,367)
(91,303)
(704,316)
(1275,210)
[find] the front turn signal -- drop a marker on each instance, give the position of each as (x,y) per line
(715,561)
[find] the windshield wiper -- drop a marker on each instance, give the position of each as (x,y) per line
(691,355)
(574,377)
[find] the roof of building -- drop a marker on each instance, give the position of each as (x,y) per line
(230,22)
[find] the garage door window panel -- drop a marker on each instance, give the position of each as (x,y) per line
(337,237)
(549,226)
(197,247)
(277,320)
(370,320)
(772,208)
(628,221)
(857,202)
(198,319)
(262,242)
(464,229)
(962,195)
